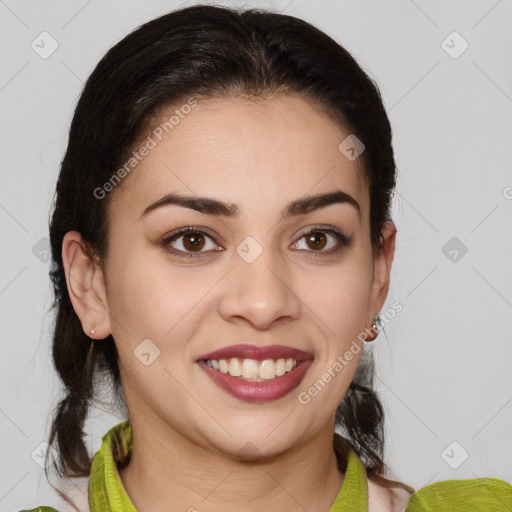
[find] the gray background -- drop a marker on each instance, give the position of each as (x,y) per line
(444,366)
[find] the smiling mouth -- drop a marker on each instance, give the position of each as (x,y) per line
(253,370)
(256,373)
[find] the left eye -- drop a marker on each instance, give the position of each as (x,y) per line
(317,241)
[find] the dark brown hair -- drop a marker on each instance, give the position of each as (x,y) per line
(200,51)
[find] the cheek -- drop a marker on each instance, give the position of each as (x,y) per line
(145,298)
(340,297)
(152,298)
(338,302)
(320,396)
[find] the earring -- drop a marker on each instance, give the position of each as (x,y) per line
(92,331)
(374,330)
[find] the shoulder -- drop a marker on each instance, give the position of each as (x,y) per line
(482,494)
(384,498)
(77,493)
(40,509)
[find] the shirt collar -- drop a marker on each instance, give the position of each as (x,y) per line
(107,492)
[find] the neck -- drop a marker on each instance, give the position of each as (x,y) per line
(168,471)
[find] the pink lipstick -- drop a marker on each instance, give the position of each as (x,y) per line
(260,373)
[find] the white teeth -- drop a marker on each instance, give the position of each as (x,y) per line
(267,369)
(223,366)
(280,367)
(250,369)
(235,368)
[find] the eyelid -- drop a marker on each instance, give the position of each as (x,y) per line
(190,229)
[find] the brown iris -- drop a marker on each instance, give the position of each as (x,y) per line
(316,239)
(193,241)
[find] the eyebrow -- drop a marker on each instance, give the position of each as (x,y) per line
(211,206)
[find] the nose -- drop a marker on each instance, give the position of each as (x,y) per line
(260,292)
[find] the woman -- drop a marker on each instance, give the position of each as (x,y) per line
(222,246)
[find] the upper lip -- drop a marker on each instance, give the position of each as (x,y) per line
(257,352)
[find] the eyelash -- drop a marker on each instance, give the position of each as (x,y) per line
(342,239)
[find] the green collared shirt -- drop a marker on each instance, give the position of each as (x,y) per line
(107,493)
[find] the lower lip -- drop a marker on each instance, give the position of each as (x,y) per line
(258,391)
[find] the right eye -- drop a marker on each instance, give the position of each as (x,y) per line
(189,242)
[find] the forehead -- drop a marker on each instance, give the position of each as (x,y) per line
(250,151)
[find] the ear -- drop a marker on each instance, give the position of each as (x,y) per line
(382,261)
(86,286)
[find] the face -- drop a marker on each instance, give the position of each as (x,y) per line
(257,279)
